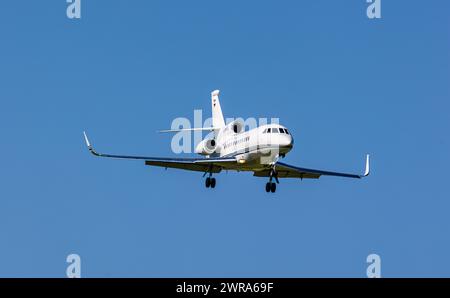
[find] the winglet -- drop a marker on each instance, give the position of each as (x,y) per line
(87,140)
(88,144)
(367,171)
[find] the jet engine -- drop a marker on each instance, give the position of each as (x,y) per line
(206,147)
(237,126)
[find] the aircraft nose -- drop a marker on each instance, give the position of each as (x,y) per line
(287,141)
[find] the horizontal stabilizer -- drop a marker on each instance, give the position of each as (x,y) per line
(189,129)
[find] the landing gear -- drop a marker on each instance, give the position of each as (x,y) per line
(210,182)
(271,187)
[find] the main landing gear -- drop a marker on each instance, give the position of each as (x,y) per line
(271,187)
(210,182)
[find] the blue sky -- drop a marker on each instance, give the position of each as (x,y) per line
(343,84)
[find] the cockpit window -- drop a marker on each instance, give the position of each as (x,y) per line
(276,130)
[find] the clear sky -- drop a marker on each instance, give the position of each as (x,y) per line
(343,84)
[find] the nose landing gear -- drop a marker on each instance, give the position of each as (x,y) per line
(272,186)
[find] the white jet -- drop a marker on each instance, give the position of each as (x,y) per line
(257,150)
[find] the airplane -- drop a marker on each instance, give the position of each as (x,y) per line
(257,150)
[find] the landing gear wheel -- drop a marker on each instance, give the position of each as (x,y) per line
(213,182)
(268,187)
(208,182)
(273,187)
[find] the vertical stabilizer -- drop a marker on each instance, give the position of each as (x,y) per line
(217,116)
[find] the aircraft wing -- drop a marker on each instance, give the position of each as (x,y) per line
(213,165)
(288,171)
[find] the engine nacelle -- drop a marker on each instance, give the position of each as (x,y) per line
(206,147)
(237,126)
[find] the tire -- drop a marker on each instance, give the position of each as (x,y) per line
(208,182)
(273,187)
(268,187)
(213,182)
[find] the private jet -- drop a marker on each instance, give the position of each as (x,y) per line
(257,150)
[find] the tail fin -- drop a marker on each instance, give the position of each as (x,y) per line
(217,116)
